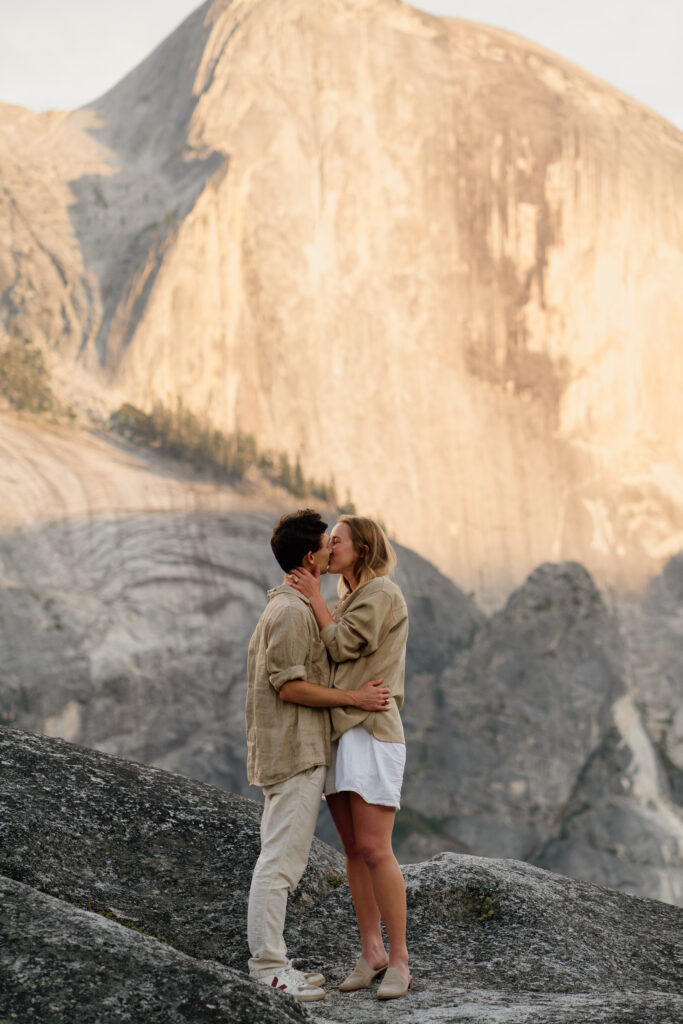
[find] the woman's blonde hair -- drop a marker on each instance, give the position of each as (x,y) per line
(376,557)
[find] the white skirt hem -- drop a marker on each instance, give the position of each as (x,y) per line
(367,766)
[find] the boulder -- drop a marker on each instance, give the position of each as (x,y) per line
(60,963)
(127,886)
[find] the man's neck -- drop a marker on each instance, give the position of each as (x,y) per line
(284,578)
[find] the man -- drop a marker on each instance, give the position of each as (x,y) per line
(288,746)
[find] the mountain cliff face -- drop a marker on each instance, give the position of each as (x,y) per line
(128,596)
(437,263)
(430,258)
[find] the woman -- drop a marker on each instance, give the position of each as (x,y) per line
(366,639)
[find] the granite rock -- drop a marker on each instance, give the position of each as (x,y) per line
(495,234)
(60,963)
(491,235)
(170,853)
(652,628)
(126,613)
(491,940)
(531,743)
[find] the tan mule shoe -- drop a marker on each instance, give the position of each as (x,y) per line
(362,976)
(394,985)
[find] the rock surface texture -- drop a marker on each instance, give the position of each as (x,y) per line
(128,596)
(62,964)
(124,893)
(493,235)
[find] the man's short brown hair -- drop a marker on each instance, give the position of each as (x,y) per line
(295,535)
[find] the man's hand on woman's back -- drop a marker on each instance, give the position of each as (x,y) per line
(372,696)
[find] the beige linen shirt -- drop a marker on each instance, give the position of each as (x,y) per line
(284,739)
(367,641)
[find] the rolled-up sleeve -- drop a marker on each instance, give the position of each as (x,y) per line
(287,646)
(359,629)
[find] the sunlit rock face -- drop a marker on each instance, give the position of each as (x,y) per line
(429,257)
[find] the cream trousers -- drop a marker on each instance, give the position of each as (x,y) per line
(289,818)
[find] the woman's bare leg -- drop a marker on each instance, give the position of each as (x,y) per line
(360,882)
(372,828)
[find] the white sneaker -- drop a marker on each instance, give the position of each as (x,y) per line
(313,978)
(294,983)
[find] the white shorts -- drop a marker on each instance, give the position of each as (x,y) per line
(367,766)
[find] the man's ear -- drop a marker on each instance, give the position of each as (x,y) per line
(308,558)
